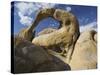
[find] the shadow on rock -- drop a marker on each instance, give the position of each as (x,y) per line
(31,58)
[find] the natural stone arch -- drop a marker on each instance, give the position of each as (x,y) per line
(72,36)
(65,37)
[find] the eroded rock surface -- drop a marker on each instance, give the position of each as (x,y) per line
(85,52)
(64,37)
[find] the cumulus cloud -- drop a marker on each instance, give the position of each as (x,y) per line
(68,9)
(90,26)
(25,9)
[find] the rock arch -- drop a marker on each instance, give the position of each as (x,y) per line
(65,36)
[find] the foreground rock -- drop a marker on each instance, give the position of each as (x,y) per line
(31,58)
(85,52)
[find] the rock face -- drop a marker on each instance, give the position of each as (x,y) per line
(64,37)
(85,52)
(31,58)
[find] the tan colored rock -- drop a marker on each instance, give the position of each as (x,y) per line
(46,31)
(27,34)
(95,38)
(85,52)
(65,37)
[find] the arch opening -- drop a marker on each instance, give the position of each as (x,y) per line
(48,22)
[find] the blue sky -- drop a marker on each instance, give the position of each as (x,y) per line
(25,13)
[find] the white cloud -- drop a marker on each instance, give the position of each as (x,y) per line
(25,9)
(90,26)
(25,20)
(68,9)
(43,5)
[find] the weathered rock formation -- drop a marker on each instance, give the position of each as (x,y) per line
(43,53)
(85,52)
(64,37)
